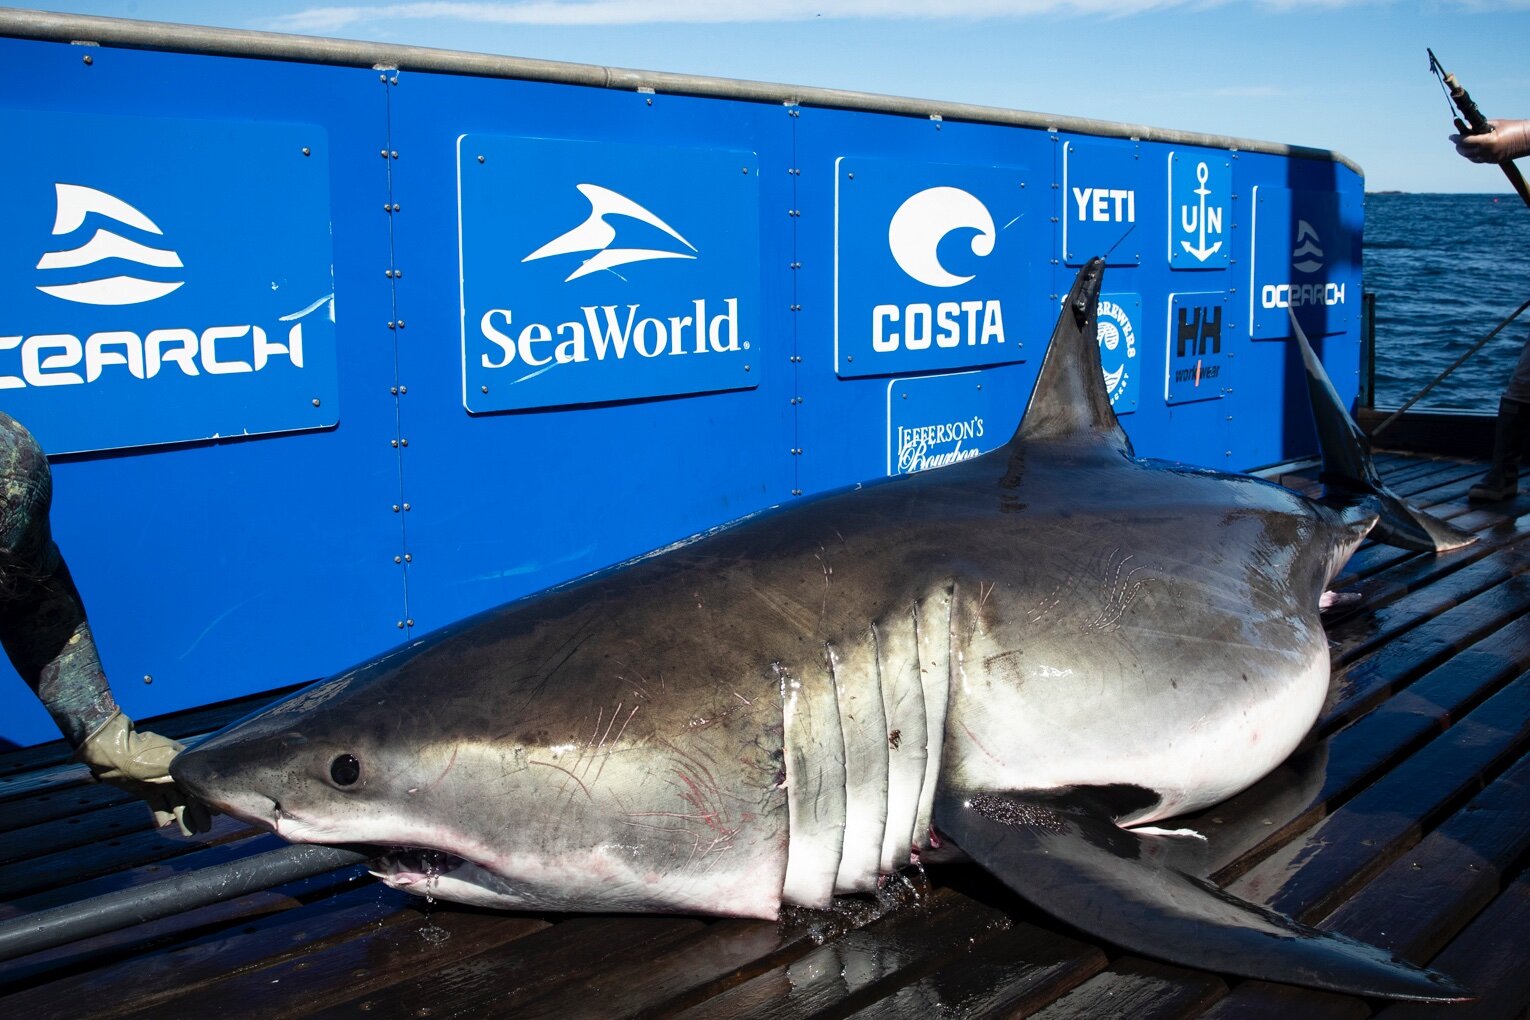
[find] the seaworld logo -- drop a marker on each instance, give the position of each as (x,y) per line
(596,235)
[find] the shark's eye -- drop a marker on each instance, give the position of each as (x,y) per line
(345,770)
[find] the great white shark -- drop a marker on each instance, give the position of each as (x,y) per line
(1021,656)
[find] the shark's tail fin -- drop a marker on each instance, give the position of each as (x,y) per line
(1349,473)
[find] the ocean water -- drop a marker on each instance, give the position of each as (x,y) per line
(1445,270)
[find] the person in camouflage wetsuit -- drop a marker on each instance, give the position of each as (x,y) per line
(45,633)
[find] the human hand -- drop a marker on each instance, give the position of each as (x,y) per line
(1509,139)
(139,763)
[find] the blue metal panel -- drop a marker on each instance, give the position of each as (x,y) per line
(1303,250)
(231,566)
(409,496)
(503,504)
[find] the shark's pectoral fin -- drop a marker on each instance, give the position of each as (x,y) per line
(1063,852)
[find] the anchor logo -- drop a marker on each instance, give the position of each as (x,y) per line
(1199,218)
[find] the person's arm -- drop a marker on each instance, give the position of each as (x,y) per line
(44,631)
(1509,139)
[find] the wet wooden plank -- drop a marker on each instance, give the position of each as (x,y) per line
(863,966)
(1308,877)
(1141,989)
(1429,894)
(1012,974)
(1261,1000)
(1489,958)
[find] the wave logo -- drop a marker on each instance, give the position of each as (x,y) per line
(922,223)
(596,235)
(1118,348)
(75,202)
(1307,249)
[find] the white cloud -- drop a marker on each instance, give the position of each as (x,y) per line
(634,12)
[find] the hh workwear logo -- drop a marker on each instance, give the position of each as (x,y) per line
(75,202)
(596,235)
(922,223)
(623,304)
(178,291)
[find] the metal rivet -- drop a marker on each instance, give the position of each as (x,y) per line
(905,396)
(394,442)
(401,324)
(148,679)
(849,357)
(395,207)
(746,170)
(89,59)
(408,558)
(484,388)
(851,175)
(401,625)
(395,508)
(480,159)
(796,492)
(315,401)
(649,101)
(383,153)
(403,389)
(388,273)
(393,390)
(746,368)
(403,442)
(393,80)
(398,559)
(382,77)
(307,151)
(392,326)
(394,154)
(387,207)
(406,507)
(409,623)
(980,385)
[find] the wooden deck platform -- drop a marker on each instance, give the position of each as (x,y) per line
(1405,822)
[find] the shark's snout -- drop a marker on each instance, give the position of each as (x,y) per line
(204,774)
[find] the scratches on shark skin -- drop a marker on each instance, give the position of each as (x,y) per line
(828,572)
(567,772)
(1121,589)
(696,785)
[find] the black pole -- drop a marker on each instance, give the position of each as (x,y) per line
(44,929)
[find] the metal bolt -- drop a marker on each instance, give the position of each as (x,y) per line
(148,679)
(401,625)
(388,273)
(393,390)
(980,385)
(382,78)
(395,207)
(746,170)
(395,508)
(403,442)
(307,151)
(393,80)
(849,357)
(905,396)
(409,623)
(387,207)
(398,274)
(401,324)
(650,100)
(395,443)
(398,559)
(406,507)
(746,368)
(484,388)
(392,325)
(383,153)
(89,59)
(480,159)
(394,154)
(403,389)
(408,558)
(851,175)
(796,492)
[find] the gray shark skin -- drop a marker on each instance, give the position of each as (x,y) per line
(1021,653)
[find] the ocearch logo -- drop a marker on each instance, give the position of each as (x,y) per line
(1307,249)
(596,235)
(75,202)
(924,220)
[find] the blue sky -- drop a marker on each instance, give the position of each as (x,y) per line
(1349,75)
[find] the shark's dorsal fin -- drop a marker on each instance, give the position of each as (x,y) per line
(1070,403)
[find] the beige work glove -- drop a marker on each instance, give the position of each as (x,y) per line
(139,763)
(1509,139)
